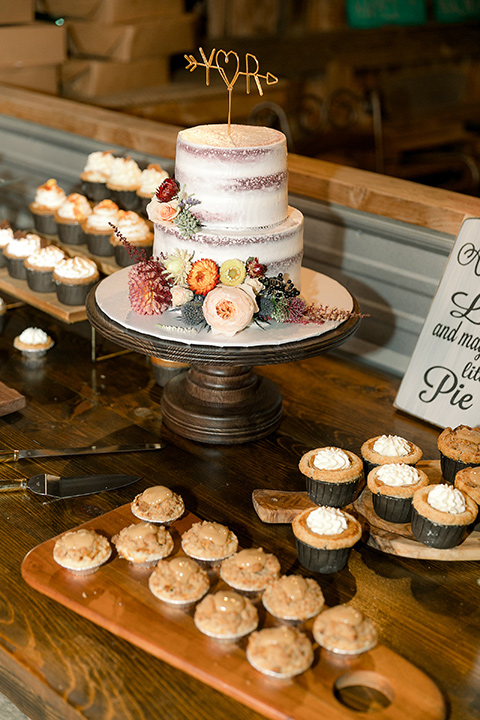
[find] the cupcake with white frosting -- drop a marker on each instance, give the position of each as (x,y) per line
(281,652)
(17,250)
(33,343)
(124,181)
(81,551)
(332,475)
(293,597)
(40,266)
(6,236)
(389,449)
(74,277)
(392,486)
(48,198)
(97,227)
(442,515)
(138,234)
(324,537)
(158,504)
(143,544)
(226,615)
(95,174)
(150,180)
(179,581)
(69,218)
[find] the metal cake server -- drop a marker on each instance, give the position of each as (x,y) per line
(67,487)
(7,455)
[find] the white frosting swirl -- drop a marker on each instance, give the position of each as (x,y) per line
(46,257)
(6,235)
(397,474)
(391,445)
(331,458)
(76,268)
(49,195)
(446,498)
(125,174)
(34,336)
(151,179)
(75,207)
(103,214)
(132,226)
(327,521)
(98,167)
(23,247)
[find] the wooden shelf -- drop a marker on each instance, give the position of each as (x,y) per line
(47,302)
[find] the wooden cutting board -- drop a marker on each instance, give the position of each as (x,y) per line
(281,507)
(117,598)
(10,400)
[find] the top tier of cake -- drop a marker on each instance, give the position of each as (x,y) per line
(240,178)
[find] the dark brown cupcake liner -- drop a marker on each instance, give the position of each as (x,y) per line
(392,509)
(450,467)
(16,268)
(142,208)
(435,535)
(44,224)
(2,321)
(3,259)
(368,466)
(73,294)
(71,234)
(333,494)
(125,199)
(321,560)
(95,191)
(99,244)
(123,258)
(40,280)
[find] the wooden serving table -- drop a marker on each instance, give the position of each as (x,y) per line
(57,664)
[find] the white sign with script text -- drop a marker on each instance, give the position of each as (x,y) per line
(442,381)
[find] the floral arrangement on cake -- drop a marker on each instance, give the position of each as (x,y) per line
(224,298)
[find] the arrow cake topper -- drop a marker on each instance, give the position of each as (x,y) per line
(219,59)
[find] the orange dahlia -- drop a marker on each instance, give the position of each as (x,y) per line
(203,276)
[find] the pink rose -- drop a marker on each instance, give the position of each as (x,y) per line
(162,212)
(229,310)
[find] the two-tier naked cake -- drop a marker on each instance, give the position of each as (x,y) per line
(237,179)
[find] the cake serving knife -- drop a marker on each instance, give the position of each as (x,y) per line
(67,487)
(7,455)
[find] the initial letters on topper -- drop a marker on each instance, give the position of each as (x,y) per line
(219,60)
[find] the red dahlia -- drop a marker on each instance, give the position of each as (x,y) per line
(167,190)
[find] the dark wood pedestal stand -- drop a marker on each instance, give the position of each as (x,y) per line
(220,399)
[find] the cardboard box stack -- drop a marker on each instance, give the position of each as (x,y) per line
(31,52)
(119,45)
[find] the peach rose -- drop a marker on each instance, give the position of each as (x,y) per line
(229,310)
(162,212)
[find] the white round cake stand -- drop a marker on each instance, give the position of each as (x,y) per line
(220,399)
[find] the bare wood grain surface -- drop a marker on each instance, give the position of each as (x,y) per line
(117,597)
(58,665)
(389,197)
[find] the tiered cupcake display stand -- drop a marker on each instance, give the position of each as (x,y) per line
(220,399)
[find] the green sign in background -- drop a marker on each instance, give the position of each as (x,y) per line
(375,13)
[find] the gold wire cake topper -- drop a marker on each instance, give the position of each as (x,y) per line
(219,59)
